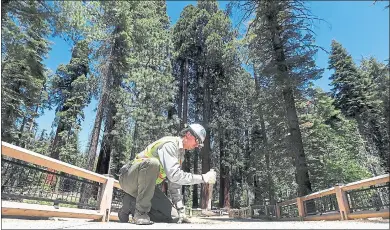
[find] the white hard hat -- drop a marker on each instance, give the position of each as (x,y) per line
(200,133)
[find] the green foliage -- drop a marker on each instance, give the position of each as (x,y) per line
(70,92)
(333,144)
(24,45)
(356,94)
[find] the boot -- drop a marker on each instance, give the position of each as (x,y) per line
(141,218)
(128,207)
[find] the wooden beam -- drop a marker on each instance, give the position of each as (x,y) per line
(301,208)
(367,182)
(342,202)
(319,194)
(288,202)
(277,210)
(114,216)
(116,184)
(384,213)
(36,210)
(105,199)
(332,216)
(38,159)
(289,219)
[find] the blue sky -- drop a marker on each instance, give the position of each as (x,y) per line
(360,26)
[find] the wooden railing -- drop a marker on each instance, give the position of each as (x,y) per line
(108,184)
(340,192)
(104,200)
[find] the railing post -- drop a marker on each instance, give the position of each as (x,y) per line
(105,199)
(301,209)
(342,202)
(277,211)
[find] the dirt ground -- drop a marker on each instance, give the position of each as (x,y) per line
(222,222)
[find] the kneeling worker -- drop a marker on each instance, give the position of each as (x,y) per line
(159,161)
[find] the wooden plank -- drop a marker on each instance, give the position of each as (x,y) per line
(277,211)
(384,213)
(114,216)
(342,202)
(301,209)
(116,184)
(319,194)
(39,159)
(23,209)
(106,199)
(289,219)
(287,202)
(332,216)
(367,182)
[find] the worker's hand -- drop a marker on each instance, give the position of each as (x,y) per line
(210,177)
(182,216)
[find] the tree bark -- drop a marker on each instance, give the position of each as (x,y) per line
(180,96)
(103,164)
(186,163)
(224,195)
(94,141)
(58,140)
(205,151)
(195,198)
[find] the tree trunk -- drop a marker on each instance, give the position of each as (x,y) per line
(134,147)
(265,146)
(195,198)
(224,195)
(4,10)
(19,142)
(221,168)
(186,163)
(379,143)
(58,140)
(296,146)
(103,164)
(94,141)
(205,151)
(180,96)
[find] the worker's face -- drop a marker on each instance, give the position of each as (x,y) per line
(189,141)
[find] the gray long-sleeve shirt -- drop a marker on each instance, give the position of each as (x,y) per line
(171,154)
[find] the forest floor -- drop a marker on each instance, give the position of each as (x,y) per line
(220,222)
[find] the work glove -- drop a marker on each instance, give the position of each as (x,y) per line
(210,177)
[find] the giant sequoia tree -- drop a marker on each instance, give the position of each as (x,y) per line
(286,52)
(206,52)
(70,94)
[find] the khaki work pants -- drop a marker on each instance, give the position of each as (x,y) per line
(139,182)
